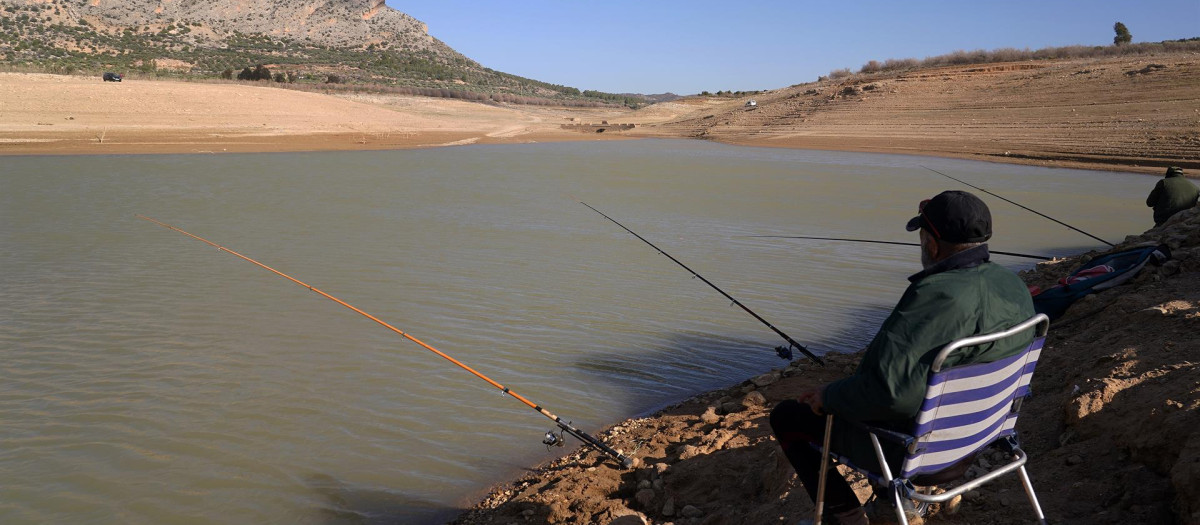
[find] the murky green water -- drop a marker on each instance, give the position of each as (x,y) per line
(148,378)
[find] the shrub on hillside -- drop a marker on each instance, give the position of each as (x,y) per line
(228,74)
(980,56)
(840,73)
(259,72)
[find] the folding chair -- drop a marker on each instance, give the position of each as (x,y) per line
(967,408)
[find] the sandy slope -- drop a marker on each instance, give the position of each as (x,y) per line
(1127,113)
(73,114)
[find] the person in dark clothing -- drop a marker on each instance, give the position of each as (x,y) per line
(1171,195)
(958,294)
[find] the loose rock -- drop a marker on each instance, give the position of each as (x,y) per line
(765,379)
(644,497)
(754,399)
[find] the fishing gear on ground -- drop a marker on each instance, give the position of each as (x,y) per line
(784,352)
(564,426)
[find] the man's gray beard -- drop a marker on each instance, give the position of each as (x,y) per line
(926,259)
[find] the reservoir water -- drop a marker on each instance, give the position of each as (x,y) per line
(146,377)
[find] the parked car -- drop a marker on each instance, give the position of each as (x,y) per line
(112,77)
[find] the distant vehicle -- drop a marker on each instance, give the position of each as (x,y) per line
(113,77)
(751,103)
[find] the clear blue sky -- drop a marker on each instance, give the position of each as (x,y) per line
(685,47)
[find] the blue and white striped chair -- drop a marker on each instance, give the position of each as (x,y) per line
(966,409)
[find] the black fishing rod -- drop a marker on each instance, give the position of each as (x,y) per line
(1013,254)
(1020,206)
(784,352)
(551,438)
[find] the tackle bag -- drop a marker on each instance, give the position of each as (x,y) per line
(1097,275)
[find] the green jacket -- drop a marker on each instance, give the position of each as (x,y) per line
(1171,195)
(958,297)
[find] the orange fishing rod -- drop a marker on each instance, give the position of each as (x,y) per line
(551,438)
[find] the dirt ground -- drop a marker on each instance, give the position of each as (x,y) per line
(55,114)
(1138,113)
(1127,113)
(1110,430)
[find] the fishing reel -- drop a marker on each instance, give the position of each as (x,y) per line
(784,352)
(554,440)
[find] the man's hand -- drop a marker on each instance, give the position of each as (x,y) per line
(814,399)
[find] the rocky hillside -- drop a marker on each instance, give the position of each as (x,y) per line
(330,23)
(1110,430)
(311,41)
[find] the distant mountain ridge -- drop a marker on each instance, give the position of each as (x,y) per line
(333,23)
(361,42)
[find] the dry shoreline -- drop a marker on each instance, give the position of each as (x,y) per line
(1113,114)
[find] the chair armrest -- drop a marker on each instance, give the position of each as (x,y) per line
(891,435)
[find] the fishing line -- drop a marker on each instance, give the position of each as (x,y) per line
(551,438)
(1020,206)
(784,352)
(1013,254)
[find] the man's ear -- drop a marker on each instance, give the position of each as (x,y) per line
(930,244)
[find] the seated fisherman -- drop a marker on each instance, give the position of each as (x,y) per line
(1171,195)
(958,294)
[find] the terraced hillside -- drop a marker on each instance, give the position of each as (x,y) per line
(1128,112)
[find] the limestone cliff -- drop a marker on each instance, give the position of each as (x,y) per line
(334,23)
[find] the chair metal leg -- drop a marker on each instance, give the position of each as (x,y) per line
(1032,497)
(895,489)
(820,510)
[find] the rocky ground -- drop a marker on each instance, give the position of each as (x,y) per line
(1110,429)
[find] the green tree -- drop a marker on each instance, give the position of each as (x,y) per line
(1123,36)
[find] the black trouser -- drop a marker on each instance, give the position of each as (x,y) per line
(795,425)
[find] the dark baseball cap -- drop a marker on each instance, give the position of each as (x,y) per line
(954,216)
